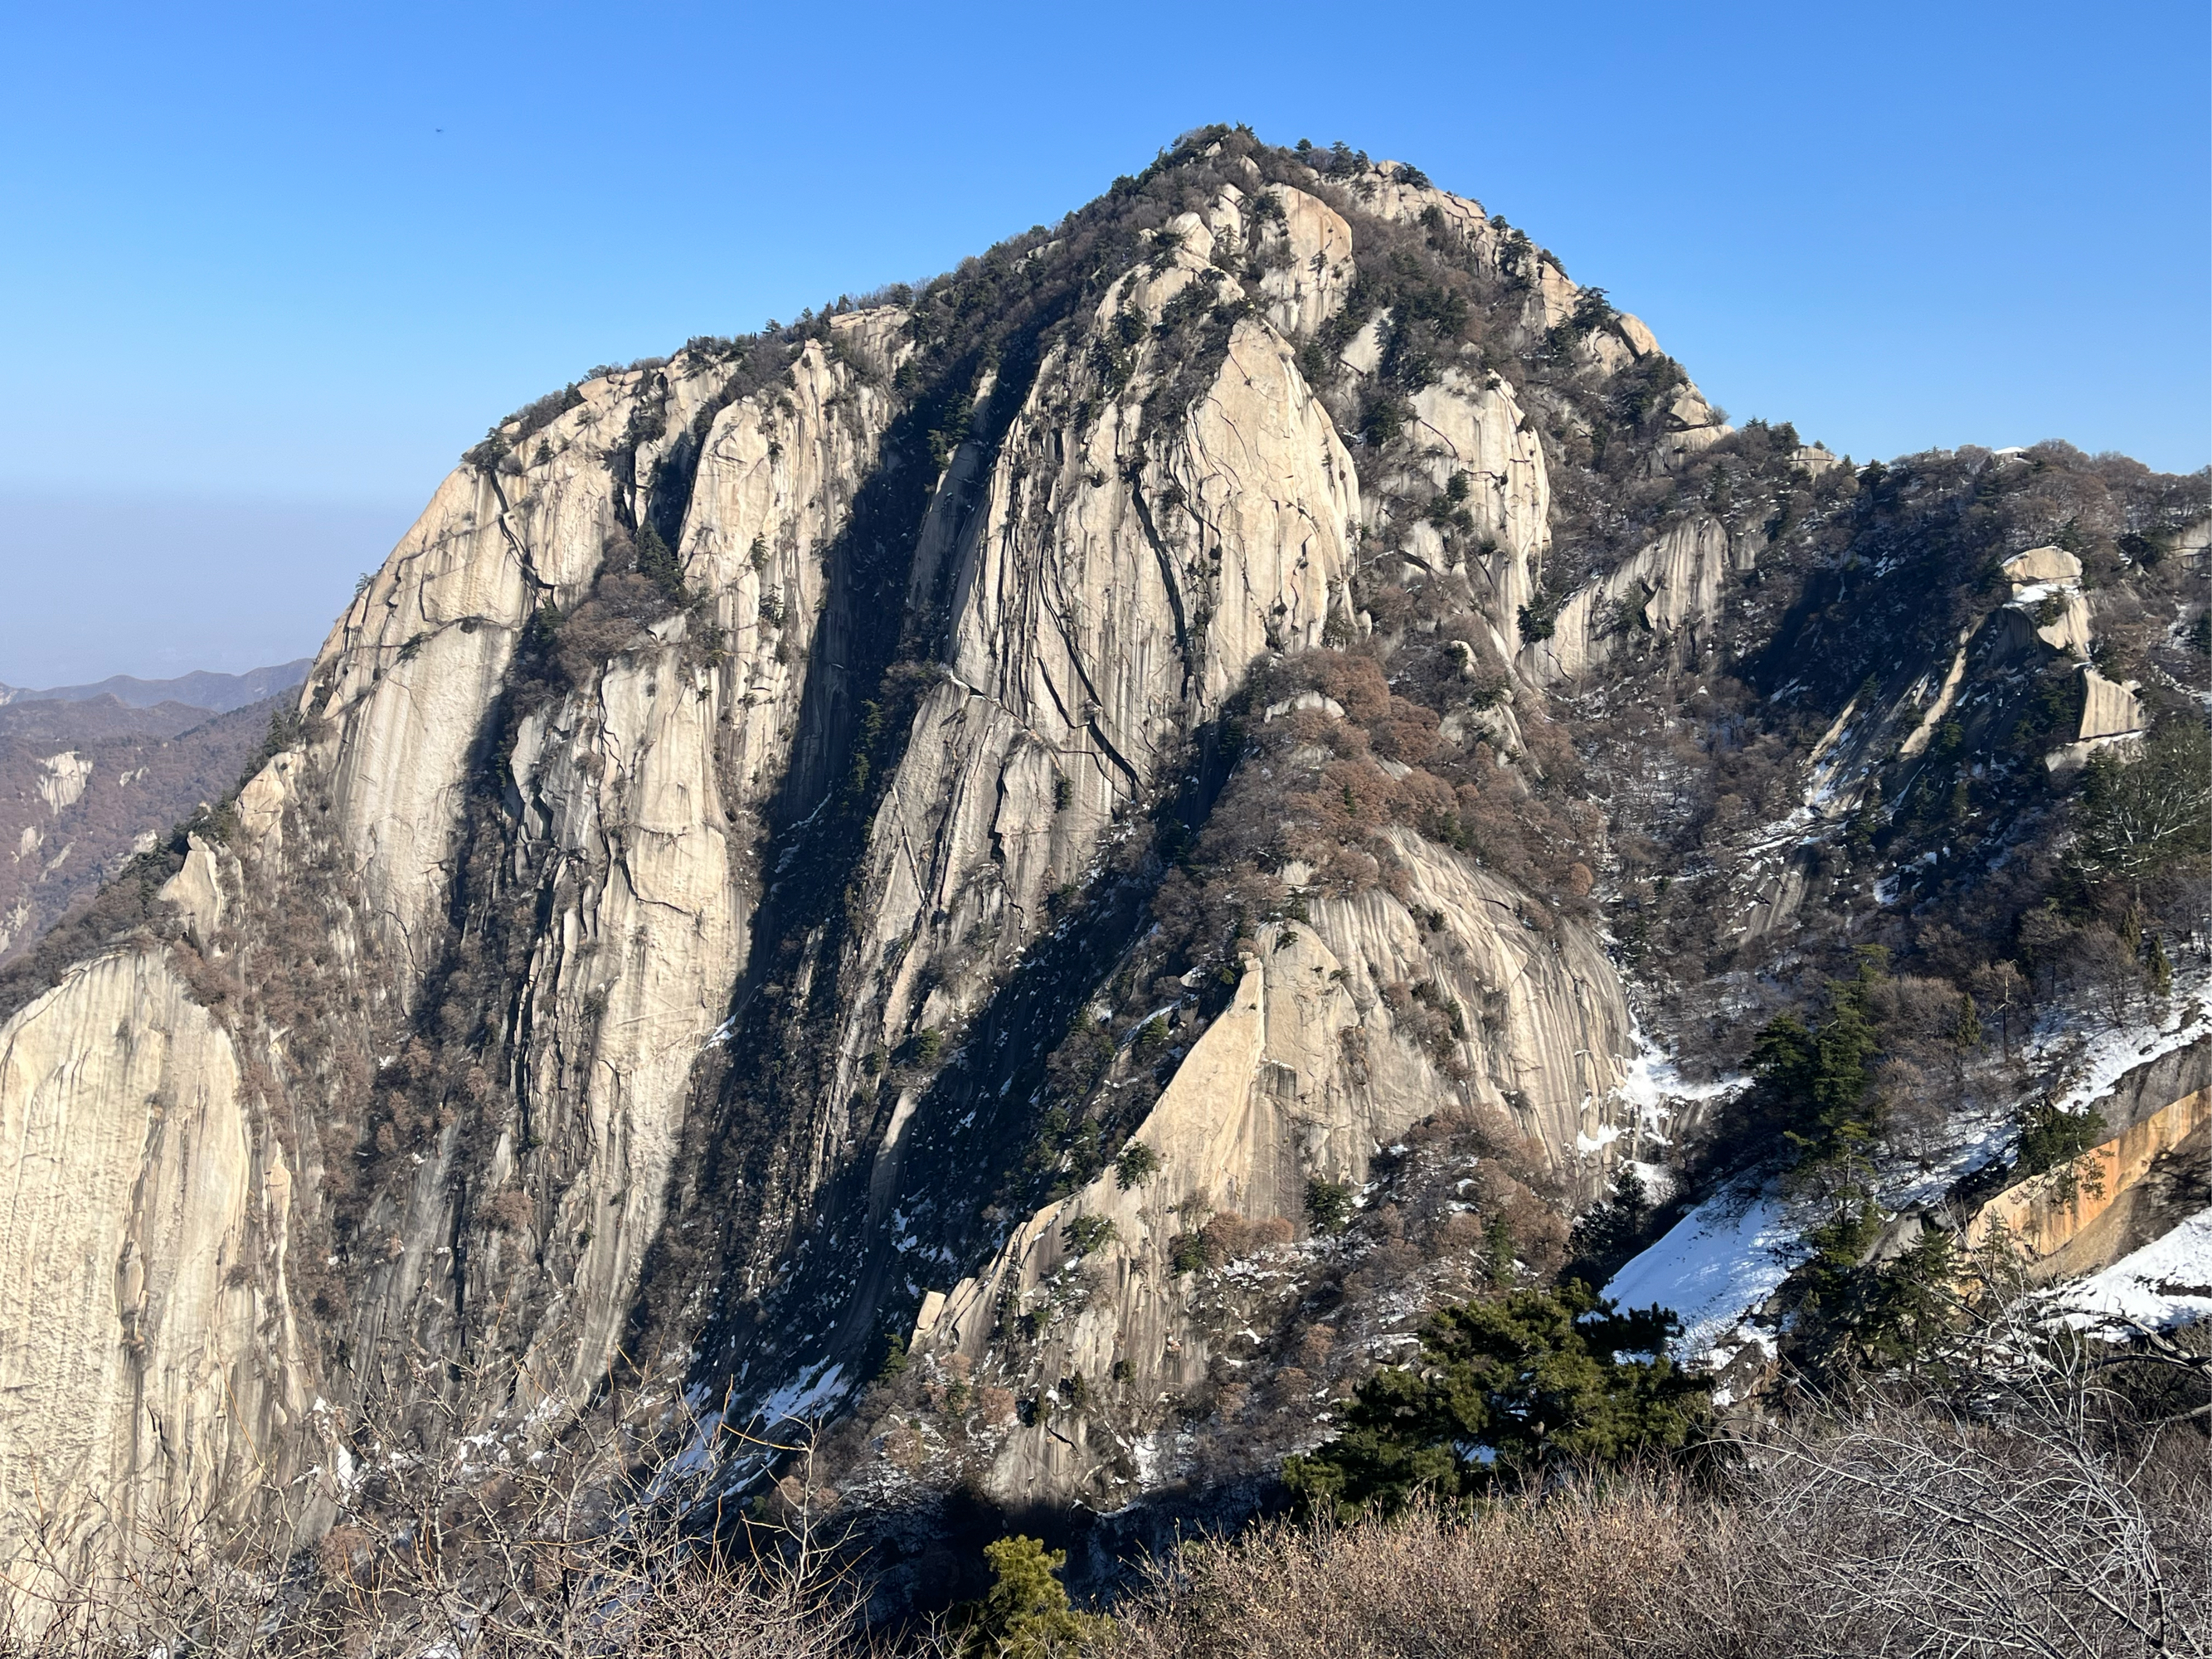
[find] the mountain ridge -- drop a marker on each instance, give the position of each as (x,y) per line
(872,871)
(217,693)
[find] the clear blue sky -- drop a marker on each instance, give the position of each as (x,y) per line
(265,270)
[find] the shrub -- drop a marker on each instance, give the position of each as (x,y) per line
(1573,1575)
(1224,1239)
(1085,1233)
(508,1211)
(2053,1138)
(1136,1165)
(1501,1391)
(1328,1205)
(1902,1529)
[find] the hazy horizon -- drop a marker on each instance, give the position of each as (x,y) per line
(223,585)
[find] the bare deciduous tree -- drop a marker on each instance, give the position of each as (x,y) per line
(465,1547)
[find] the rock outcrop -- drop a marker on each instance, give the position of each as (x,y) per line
(2088,1215)
(1308,248)
(787,816)
(1304,1077)
(622,855)
(1670,588)
(150,1366)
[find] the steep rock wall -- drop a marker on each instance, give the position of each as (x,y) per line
(545,825)
(1108,607)
(623,890)
(1306,1075)
(2076,1220)
(641,796)
(1473,426)
(148,1365)
(1670,587)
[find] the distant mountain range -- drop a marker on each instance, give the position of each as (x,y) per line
(86,782)
(91,774)
(216,693)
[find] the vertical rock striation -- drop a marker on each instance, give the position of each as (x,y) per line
(729,735)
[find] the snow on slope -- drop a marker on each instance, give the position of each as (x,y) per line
(1714,1266)
(2168,1282)
(2109,1054)
(1729,1254)
(2092,1062)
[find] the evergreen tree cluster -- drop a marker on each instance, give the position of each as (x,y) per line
(1817,1079)
(1502,1391)
(1026,1614)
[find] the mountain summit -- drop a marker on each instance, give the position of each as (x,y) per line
(1028,871)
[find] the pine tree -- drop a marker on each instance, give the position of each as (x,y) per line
(1966,1031)
(1815,1080)
(2158,970)
(1026,1614)
(1502,1390)
(659,564)
(2139,816)
(1851,1316)
(1498,1243)
(895,1359)
(2051,1137)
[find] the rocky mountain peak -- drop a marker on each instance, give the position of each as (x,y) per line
(1260,724)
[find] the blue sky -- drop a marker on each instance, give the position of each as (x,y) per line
(266,270)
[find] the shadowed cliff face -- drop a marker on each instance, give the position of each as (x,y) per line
(794,826)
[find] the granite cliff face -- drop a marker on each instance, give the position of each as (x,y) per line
(149,1325)
(1304,1076)
(839,835)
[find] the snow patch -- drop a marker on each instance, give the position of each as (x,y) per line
(1651,1082)
(2112,1053)
(802,1401)
(1715,1265)
(2168,1282)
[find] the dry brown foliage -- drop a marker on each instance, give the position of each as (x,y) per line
(1892,1529)
(1562,1577)
(517,1588)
